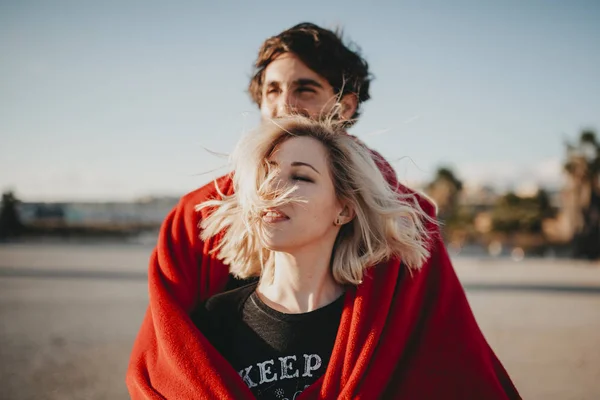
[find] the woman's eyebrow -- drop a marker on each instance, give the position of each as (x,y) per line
(294,164)
(300,164)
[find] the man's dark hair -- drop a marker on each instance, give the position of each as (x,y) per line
(324,52)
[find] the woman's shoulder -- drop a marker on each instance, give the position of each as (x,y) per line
(230,301)
(215,316)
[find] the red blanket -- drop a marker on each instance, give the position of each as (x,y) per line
(400,336)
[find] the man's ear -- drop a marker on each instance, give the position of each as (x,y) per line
(349,103)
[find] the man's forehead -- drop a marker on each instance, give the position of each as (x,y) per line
(288,69)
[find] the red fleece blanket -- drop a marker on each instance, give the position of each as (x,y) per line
(402,335)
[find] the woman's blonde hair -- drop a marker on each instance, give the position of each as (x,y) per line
(386,224)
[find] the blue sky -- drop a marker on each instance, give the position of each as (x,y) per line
(115,100)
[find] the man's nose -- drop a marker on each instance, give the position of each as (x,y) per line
(286,104)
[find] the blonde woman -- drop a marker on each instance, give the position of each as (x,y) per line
(314,219)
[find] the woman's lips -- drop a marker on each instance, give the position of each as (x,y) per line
(272,216)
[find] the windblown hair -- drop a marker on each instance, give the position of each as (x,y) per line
(386,224)
(324,52)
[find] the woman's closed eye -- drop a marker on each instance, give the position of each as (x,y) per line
(301,178)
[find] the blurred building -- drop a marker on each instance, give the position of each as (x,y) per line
(147,211)
(478,197)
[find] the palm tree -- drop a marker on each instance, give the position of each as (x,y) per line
(582,195)
(444,190)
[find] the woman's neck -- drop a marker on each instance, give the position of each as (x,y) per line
(302,282)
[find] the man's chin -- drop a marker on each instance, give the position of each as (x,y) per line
(317,116)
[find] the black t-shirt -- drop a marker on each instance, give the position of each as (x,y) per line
(277,355)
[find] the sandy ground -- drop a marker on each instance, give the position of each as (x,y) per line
(69,315)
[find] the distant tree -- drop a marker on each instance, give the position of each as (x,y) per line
(583,171)
(445,190)
(10,223)
(512,214)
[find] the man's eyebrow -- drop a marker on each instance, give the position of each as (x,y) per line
(298,82)
(308,82)
(271,83)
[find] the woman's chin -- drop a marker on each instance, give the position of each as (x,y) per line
(278,247)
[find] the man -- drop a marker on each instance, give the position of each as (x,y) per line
(307,69)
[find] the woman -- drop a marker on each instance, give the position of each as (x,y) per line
(313,218)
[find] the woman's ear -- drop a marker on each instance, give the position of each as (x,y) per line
(349,103)
(346,215)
